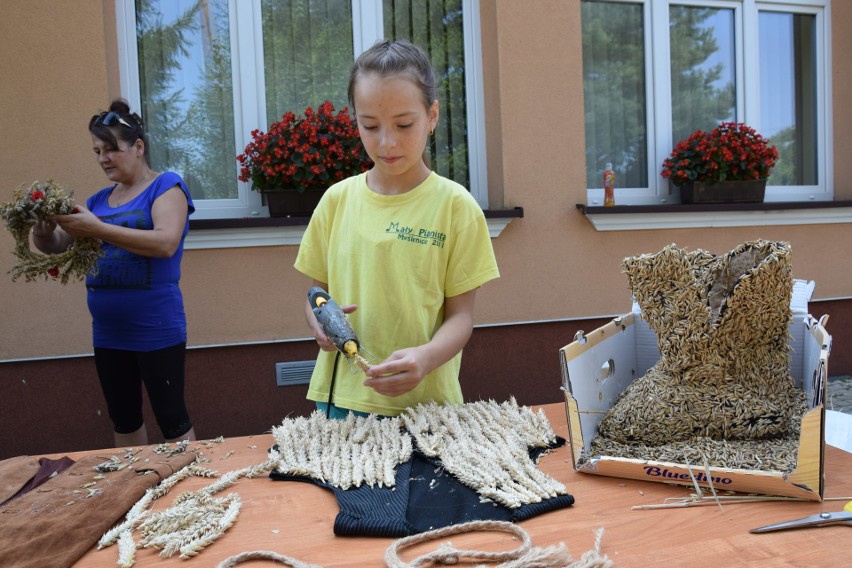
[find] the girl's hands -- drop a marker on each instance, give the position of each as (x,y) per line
(323,340)
(315,327)
(406,368)
(399,373)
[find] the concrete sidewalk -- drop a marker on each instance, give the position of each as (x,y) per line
(839,394)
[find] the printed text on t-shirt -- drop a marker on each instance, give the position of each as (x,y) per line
(419,236)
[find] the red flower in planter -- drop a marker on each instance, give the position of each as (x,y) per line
(732,151)
(305,153)
(37,196)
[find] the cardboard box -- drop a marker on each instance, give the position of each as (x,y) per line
(598,366)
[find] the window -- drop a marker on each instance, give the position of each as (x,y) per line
(656,70)
(205,73)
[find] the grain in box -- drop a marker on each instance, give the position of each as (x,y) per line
(598,366)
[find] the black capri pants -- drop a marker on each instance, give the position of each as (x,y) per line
(122,374)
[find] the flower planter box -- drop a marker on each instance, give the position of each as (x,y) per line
(731,151)
(291,202)
(310,152)
(742,191)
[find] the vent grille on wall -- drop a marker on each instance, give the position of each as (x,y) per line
(293,373)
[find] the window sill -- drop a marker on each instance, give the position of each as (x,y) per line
(679,216)
(268,231)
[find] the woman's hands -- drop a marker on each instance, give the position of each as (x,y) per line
(44,228)
(49,238)
(168,215)
(82,223)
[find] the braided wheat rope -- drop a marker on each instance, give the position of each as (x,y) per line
(264,555)
(524,556)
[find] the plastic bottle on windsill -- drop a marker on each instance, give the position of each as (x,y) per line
(609,186)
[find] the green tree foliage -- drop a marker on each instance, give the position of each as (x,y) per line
(614,85)
(614,92)
(698,99)
(160,48)
(785,170)
(796,159)
(307,55)
(210,113)
(437,27)
(307,47)
(192,132)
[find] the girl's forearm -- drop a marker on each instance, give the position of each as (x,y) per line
(454,333)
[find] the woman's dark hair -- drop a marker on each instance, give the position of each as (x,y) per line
(398,57)
(126,126)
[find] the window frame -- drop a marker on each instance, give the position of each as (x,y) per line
(249,88)
(747,73)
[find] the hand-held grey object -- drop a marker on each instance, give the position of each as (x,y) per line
(336,326)
(333,321)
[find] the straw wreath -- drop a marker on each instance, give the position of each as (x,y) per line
(28,206)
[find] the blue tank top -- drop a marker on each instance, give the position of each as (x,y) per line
(135,301)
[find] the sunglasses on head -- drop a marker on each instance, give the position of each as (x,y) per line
(110,118)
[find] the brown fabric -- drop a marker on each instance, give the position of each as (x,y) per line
(55,524)
(47,469)
(14,474)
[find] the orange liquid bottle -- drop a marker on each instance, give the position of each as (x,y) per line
(609,186)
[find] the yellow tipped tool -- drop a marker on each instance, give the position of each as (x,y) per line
(335,325)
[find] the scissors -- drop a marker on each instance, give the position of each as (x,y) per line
(823,519)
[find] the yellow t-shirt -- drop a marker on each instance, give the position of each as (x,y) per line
(397,257)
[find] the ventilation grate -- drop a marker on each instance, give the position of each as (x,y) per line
(293,373)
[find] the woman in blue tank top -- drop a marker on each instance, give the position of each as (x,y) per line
(138,320)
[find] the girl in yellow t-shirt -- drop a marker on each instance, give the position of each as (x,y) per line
(400,244)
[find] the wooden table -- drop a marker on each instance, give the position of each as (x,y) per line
(296,519)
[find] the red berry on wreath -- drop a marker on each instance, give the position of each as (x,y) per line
(75,210)
(54,272)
